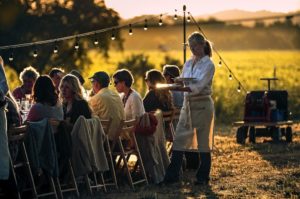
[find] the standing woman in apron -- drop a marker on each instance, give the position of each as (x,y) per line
(194,131)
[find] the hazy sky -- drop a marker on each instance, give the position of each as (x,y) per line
(131,8)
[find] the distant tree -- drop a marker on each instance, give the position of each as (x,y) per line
(138,64)
(170,61)
(259,24)
(23,21)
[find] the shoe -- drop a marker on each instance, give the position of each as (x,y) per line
(201,182)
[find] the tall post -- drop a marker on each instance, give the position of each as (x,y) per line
(184,35)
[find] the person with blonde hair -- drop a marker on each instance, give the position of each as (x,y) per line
(28,77)
(74,105)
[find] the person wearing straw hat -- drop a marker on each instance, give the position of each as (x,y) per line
(194,131)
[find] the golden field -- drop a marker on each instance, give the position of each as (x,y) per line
(248,66)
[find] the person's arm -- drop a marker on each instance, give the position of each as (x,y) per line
(137,106)
(149,101)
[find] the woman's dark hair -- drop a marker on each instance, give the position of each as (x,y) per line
(164,96)
(44,91)
(124,75)
(54,71)
(171,70)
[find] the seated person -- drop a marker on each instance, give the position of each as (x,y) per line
(28,76)
(170,72)
(106,103)
(77,74)
(74,104)
(56,74)
(47,104)
(156,99)
(133,103)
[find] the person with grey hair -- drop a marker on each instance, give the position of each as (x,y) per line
(194,131)
(27,77)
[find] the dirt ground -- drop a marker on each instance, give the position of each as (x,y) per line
(261,170)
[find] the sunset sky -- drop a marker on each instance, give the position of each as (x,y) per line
(131,8)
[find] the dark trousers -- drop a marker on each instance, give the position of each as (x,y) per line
(173,170)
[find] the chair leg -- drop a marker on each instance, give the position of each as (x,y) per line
(141,161)
(53,186)
(111,162)
(87,181)
(103,182)
(125,164)
(73,178)
(59,192)
(35,194)
(113,172)
(14,176)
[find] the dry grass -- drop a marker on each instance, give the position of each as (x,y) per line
(262,170)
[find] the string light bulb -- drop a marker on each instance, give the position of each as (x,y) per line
(230,76)
(113,37)
(239,88)
(220,63)
(96,42)
(188,19)
(11,57)
(146,25)
(76,46)
(130,30)
(55,50)
(160,23)
(175,16)
(35,53)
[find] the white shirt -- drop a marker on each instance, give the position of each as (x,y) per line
(134,105)
(203,71)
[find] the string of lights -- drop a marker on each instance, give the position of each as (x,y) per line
(78,36)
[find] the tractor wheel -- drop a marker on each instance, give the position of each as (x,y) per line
(252,135)
(288,134)
(276,134)
(240,136)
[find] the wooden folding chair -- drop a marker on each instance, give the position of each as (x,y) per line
(18,134)
(106,127)
(69,186)
(96,183)
(124,152)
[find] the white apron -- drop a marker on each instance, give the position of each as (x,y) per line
(194,131)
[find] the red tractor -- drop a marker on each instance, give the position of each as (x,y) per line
(266,114)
